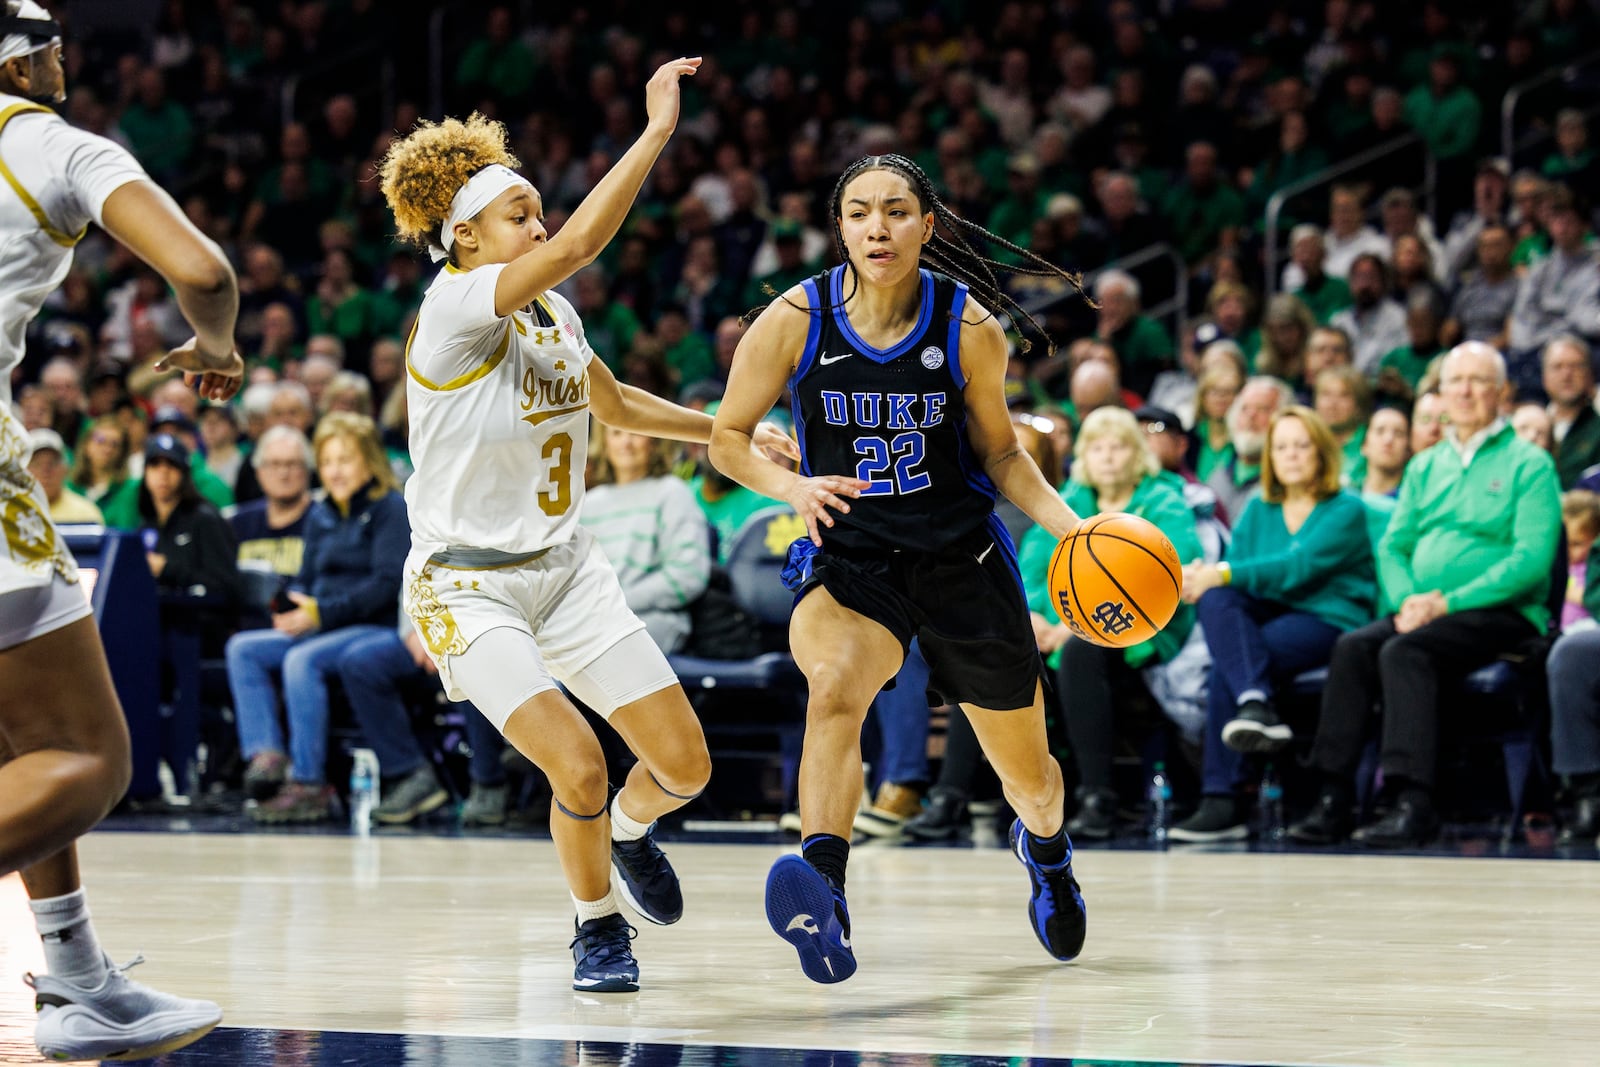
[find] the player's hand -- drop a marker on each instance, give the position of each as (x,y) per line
(419,655)
(214,377)
(661,94)
(768,439)
(812,497)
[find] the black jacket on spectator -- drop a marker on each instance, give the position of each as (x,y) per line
(199,586)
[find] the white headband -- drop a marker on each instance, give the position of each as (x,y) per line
(479,192)
(21,44)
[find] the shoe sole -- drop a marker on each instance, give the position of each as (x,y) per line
(1242,735)
(796,894)
(873,824)
(159,1047)
(431,803)
(931,833)
(1200,837)
(626,892)
(608,985)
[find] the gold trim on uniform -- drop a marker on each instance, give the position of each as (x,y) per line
(481,371)
(60,237)
(432,618)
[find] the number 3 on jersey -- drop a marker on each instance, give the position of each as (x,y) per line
(891,466)
(557,455)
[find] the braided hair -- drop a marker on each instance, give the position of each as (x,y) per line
(949,251)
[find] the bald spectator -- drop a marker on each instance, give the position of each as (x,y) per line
(1094,385)
(1568,378)
(1143,347)
(1248,420)
(1467,559)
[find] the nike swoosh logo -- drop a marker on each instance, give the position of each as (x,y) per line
(825,360)
(985,553)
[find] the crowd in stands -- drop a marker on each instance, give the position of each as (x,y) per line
(1263,421)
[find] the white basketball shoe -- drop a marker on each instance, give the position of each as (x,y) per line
(120,1020)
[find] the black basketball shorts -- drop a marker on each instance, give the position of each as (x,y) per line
(964,602)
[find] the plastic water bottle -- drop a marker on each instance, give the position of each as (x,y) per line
(1160,804)
(1270,801)
(363,789)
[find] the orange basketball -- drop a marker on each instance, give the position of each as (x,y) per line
(1116,579)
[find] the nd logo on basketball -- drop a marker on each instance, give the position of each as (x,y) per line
(1112,619)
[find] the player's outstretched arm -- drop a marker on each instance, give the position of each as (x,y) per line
(983,361)
(596,221)
(627,407)
(149,222)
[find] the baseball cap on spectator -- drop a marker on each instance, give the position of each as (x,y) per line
(167,447)
(786,230)
(172,415)
(1158,420)
(44,439)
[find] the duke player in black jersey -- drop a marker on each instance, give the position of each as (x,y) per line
(896,377)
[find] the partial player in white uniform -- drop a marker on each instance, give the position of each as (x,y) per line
(63,742)
(510,594)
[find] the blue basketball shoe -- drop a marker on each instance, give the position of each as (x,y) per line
(807,911)
(603,956)
(647,880)
(1055,908)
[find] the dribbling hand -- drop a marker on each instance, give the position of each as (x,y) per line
(213,378)
(812,497)
(661,94)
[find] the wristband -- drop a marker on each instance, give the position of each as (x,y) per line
(1225,572)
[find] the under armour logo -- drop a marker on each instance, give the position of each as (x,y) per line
(1112,619)
(803,922)
(546,337)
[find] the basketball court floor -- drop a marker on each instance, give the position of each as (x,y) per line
(421,948)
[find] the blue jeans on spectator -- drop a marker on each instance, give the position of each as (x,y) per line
(372,670)
(1253,643)
(902,718)
(1573,670)
(304,664)
(485,767)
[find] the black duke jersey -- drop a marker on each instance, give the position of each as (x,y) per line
(894,418)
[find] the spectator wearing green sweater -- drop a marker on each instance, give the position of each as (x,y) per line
(1114,471)
(1467,558)
(652,531)
(1299,573)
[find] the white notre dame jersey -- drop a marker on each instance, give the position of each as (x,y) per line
(499,412)
(54,180)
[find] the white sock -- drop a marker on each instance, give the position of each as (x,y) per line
(72,953)
(596,909)
(623,826)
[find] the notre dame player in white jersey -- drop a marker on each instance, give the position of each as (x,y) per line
(63,742)
(510,594)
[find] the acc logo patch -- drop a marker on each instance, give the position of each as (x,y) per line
(933,357)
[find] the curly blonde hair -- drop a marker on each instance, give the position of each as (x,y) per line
(422,172)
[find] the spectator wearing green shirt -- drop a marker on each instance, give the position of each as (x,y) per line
(341,307)
(158,130)
(1114,470)
(1013,217)
(1299,573)
(1444,112)
(1401,369)
(609,326)
(1222,375)
(1320,291)
(1573,161)
(1467,557)
(1144,348)
(497,64)
(687,353)
(1203,210)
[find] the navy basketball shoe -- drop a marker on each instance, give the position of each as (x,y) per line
(807,911)
(1055,908)
(647,880)
(602,955)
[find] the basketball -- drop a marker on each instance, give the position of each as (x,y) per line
(1116,580)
